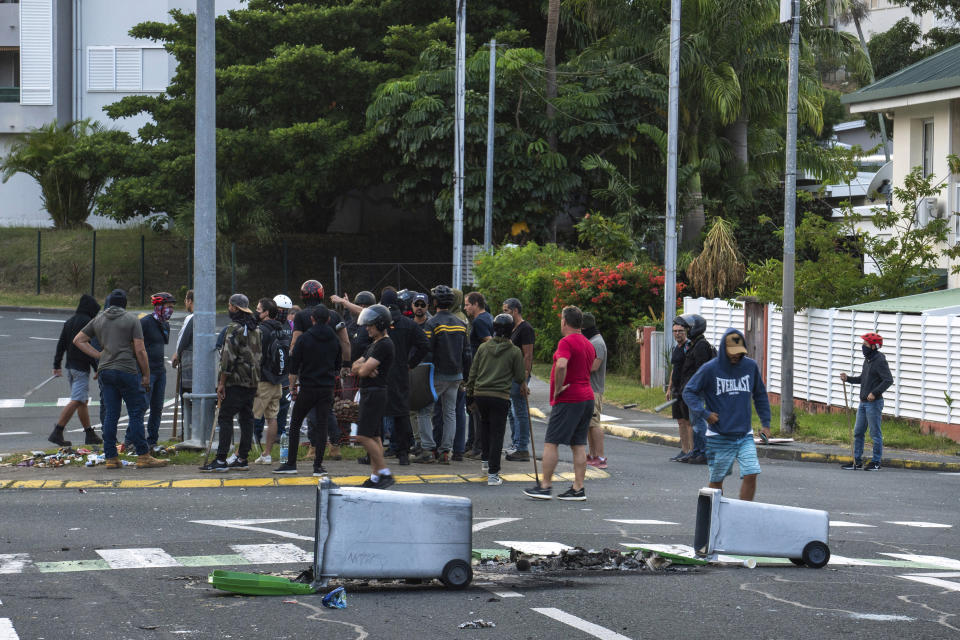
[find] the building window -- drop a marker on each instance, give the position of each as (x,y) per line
(926,149)
(126,69)
(9,74)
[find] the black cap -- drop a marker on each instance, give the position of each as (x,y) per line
(117,298)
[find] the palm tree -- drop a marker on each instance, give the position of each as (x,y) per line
(550,62)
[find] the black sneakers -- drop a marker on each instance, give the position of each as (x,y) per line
(871,466)
(518,456)
(571,494)
(240,464)
(538,493)
(319,471)
(215,465)
(853,466)
(287,468)
(383,483)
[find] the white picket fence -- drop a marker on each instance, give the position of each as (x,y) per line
(920,350)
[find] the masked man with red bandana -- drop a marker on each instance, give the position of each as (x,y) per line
(874,379)
(156,335)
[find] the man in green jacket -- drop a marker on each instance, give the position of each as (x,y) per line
(497,364)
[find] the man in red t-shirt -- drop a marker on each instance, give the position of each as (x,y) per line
(571,399)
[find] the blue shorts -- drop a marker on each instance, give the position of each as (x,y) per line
(79,385)
(722,450)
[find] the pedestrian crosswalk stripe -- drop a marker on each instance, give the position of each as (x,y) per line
(590,628)
(137,558)
(841,523)
(944,563)
(948,585)
(921,525)
(68,566)
(7,632)
(271,553)
(12,403)
(534,547)
(640,521)
(492,523)
(13,562)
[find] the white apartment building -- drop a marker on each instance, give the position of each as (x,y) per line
(68,59)
(883,14)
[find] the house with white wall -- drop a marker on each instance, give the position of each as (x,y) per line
(67,60)
(923,100)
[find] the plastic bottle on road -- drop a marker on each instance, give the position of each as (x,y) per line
(284,447)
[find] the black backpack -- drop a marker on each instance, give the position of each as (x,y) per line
(276,353)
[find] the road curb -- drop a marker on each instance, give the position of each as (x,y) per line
(774,453)
(223,483)
(15,309)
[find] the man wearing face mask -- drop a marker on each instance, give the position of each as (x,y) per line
(156,335)
(874,379)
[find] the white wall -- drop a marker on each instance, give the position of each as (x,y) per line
(886,15)
(922,352)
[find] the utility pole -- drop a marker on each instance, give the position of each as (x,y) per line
(789,225)
(491,100)
(670,254)
(460,94)
(205,224)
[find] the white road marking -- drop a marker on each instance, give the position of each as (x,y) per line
(13,562)
(881,617)
(39,320)
(946,563)
(246,525)
(640,521)
(841,523)
(137,558)
(948,473)
(534,548)
(62,402)
(506,594)
(492,523)
(948,585)
(12,403)
(16,433)
(36,338)
(272,553)
(7,632)
(939,574)
(606,418)
(920,524)
(594,630)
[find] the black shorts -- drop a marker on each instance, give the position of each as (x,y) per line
(373,404)
(569,423)
(680,410)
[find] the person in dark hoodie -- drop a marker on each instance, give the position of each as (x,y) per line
(314,363)
(156,336)
(696,351)
(78,373)
(497,365)
(411,346)
(873,380)
(122,370)
(720,392)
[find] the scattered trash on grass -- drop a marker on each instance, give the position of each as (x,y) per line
(476,624)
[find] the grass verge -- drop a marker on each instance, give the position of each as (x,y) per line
(824,428)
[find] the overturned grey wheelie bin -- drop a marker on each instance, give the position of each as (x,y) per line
(739,527)
(377,534)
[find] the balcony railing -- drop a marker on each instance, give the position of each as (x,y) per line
(9,94)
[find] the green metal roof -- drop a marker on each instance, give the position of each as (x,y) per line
(919,303)
(939,71)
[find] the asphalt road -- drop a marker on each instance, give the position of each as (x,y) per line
(133,563)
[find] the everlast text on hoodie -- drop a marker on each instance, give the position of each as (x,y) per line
(727,390)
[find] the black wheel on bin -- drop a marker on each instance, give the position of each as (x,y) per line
(797,561)
(457,574)
(816,554)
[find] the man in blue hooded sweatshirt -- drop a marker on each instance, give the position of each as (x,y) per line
(720,391)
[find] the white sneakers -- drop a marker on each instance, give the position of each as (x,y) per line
(264,459)
(494,480)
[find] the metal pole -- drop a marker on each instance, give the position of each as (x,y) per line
(143,270)
(789,226)
(285,283)
(93,264)
(673,107)
(233,267)
(491,100)
(459,99)
(38,261)
(205,226)
(336,277)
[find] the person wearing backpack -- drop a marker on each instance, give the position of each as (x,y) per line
(696,352)
(273,365)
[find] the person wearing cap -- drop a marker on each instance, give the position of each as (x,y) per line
(238,377)
(156,336)
(874,379)
(420,304)
(720,392)
(123,372)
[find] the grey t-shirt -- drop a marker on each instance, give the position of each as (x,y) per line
(116,330)
(598,377)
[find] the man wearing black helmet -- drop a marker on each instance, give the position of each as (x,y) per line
(372,368)
(451,357)
(156,335)
(497,365)
(359,340)
(691,352)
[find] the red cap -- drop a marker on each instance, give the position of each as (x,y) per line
(873,339)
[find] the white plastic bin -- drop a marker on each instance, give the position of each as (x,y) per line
(740,527)
(372,533)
